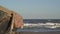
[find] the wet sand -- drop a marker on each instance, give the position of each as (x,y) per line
(38,33)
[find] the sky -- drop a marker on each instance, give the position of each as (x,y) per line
(34,9)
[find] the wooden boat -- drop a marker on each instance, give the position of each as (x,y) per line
(7,23)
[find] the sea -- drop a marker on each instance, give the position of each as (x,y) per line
(39,29)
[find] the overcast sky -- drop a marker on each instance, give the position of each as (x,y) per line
(34,9)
